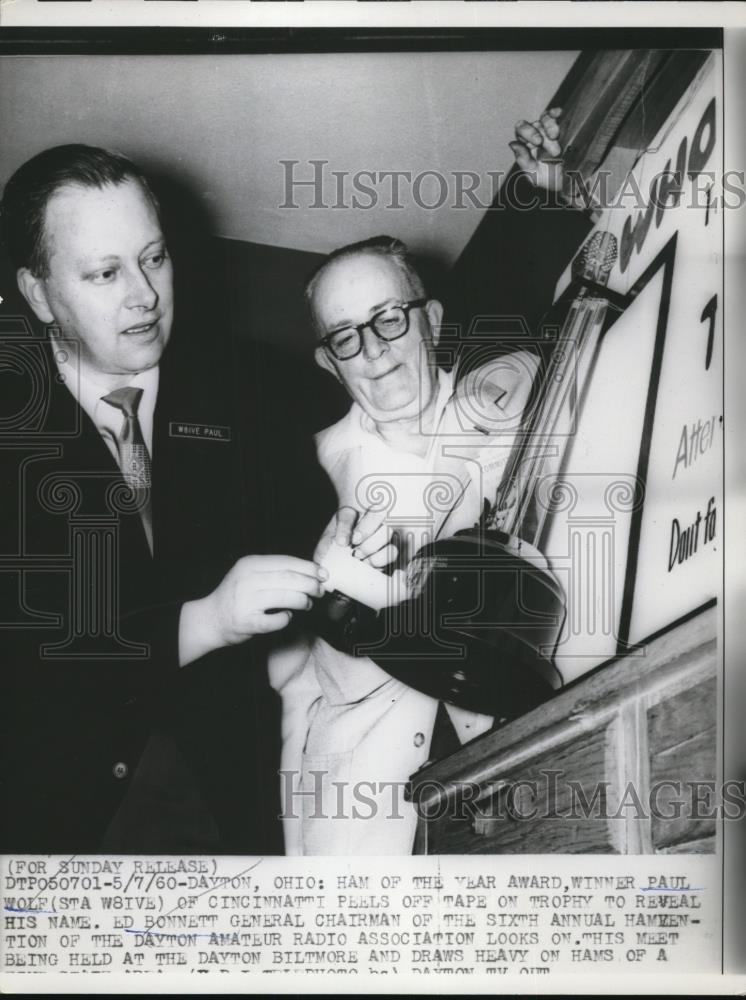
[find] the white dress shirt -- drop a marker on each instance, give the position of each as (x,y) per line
(347,723)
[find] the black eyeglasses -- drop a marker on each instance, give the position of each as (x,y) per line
(388,324)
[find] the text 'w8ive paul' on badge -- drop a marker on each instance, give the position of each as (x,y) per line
(202,432)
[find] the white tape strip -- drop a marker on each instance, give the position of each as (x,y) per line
(358,580)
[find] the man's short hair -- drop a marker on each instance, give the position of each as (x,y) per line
(377,246)
(27,194)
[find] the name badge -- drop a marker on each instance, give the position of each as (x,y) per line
(204,432)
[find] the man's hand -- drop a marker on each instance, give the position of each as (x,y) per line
(370,537)
(538,152)
(258,595)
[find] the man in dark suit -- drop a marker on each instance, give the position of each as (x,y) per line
(133,704)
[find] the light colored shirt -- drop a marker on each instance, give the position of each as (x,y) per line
(352,733)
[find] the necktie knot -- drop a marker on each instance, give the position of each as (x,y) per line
(126,399)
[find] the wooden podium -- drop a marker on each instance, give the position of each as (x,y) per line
(623,761)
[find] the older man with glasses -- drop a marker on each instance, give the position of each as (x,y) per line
(353,734)
(432,445)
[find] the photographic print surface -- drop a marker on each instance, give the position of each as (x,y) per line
(362,455)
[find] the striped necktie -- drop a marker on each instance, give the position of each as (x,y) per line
(134,460)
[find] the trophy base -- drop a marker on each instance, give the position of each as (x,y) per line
(478,630)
